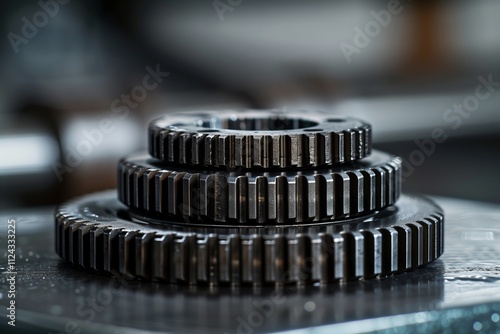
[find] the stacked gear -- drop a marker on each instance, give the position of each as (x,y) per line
(253,198)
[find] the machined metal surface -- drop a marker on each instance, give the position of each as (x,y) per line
(455,294)
(97,232)
(258,139)
(270,197)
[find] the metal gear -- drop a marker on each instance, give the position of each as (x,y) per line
(97,232)
(270,197)
(258,139)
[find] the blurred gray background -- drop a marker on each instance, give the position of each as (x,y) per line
(70,71)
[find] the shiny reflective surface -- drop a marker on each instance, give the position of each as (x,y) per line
(459,292)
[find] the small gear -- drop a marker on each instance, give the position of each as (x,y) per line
(292,196)
(97,232)
(258,139)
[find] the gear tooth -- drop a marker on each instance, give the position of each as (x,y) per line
(280,266)
(359,147)
(253,197)
(83,245)
(221,150)
(339,146)
(380,200)
(356,192)
(389,178)
(368,142)
(110,250)
(287,153)
(301,198)
(126,253)
(294,147)
(72,241)
(341,197)
(241,198)
(143,249)
(210,149)
(213,259)
(372,253)
(256,150)
(161,192)
(198,149)
(272,183)
(353,255)
(172,147)
(267,151)
(176,193)
(326,255)
(304,259)
(269,260)
(181,259)
(192,259)
(239,151)
(291,198)
(350,145)
(163,264)
(224,261)
(281,199)
(405,249)
(163,147)
(417,242)
(96,253)
(139,187)
(247,245)
(206,196)
(235,259)
(191,186)
(275,150)
(149,192)
(319,150)
(185,145)
(427,249)
(390,250)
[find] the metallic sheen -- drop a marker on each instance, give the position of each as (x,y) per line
(271,197)
(258,139)
(97,232)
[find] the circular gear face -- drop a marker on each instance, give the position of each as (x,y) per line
(262,197)
(97,232)
(258,139)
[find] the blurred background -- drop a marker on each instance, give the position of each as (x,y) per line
(80,80)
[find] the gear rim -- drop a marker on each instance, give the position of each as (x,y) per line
(265,197)
(93,232)
(200,139)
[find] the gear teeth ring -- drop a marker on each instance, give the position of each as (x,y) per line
(265,198)
(98,233)
(215,139)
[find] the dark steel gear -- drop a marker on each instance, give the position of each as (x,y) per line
(258,139)
(97,232)
(292,196)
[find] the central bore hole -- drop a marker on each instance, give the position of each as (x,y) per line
(257,124)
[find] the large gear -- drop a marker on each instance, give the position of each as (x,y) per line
(263,197)
(97,232)
(256,139)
